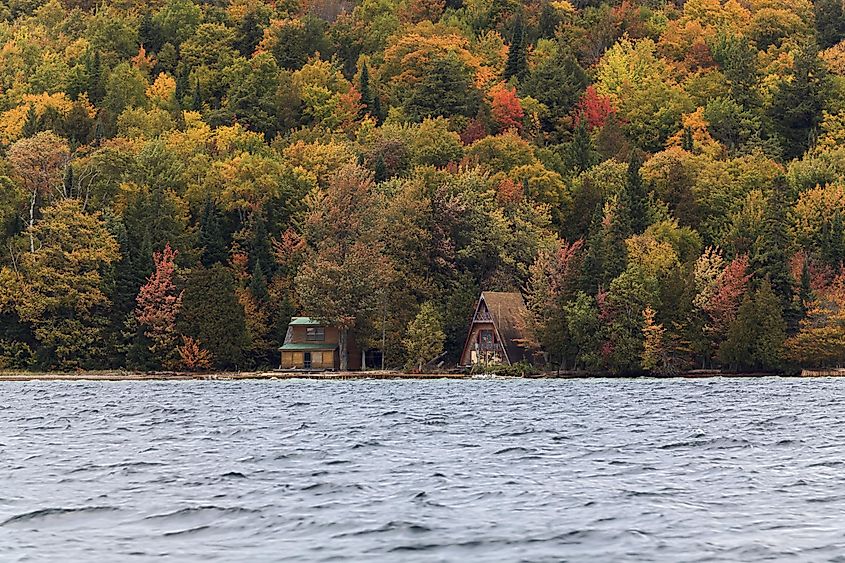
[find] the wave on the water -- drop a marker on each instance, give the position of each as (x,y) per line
(547,470)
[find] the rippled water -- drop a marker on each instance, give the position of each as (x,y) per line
(610,470)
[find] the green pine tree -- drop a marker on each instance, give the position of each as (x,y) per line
(803,298)
(549,21)
(69,182)
(557,82)
(771,251)
(259,245)
(688,143)
(51,120)
(212,314)
(755,339)
(799,100)
(380,169)
(196,97)
(517,63)
(606,254)
(258,284)
(580,154)
(636,196)
(121,280)
(149,32)
(250,32)
(365,91)
(376,111)
(830,22)
(619,231)
(30,126)
(96,82)
(78,125)
(737,58)
(833,249)
(768,346)
(447,89)
(211,239)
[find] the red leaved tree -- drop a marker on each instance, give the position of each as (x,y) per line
(473,132)
(192,356)
(730,288)
(720,292)
(593,108)
(505,108)
(157,306)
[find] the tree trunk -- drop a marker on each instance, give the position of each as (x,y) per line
(32,221)
(344,351)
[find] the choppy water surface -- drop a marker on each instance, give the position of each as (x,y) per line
(423,471)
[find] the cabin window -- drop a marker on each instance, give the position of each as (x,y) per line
(315,334)
(485,337)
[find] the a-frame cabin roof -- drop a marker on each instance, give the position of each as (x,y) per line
(507,311)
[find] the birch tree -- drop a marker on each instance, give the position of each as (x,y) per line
(38,163)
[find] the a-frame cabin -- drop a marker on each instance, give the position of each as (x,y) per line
(497,330)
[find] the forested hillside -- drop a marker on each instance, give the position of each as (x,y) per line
(664,181)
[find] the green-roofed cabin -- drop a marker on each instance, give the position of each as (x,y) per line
(313,346)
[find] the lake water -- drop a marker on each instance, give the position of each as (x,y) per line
(517,470)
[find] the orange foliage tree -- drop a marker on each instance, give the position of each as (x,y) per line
(820,340)
(193,356)
(158,304)
(505,108)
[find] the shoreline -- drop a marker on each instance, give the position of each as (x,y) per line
(217,376)
(338,376)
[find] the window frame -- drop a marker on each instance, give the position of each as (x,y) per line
(315,334)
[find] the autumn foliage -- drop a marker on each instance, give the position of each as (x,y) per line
(192,356)
(505,108)
(727,293)
(820,340)
(593,108)
(664,182)
(157,306)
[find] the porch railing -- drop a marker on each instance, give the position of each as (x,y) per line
(483,317)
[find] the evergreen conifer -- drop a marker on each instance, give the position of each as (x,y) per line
(30,126)
(211,239)
(212,315)
(517,63)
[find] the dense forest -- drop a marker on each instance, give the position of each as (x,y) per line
(663,181)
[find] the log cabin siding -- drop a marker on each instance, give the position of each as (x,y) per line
(324,354)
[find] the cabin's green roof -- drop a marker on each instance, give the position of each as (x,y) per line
(307,346)
(308,321)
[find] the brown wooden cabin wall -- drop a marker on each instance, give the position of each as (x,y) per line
(466,359)
(320,359)
(299,334)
